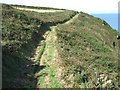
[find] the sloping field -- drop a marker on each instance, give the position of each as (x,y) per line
(50,75)
(64,49)
(80,54)
(22,33)
(87,54)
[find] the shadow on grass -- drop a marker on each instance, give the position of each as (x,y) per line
(37,68)
(16,72)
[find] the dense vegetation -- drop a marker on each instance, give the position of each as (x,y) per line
(86,51)
(21,32)
(18,41)
(26,23)
(57,17)
(82,53)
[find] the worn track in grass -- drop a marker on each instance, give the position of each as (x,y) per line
(49,58)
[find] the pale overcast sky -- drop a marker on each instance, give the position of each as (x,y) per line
(88,6)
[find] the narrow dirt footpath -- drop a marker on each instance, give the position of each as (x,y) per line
(71,20)
(49,58)
(53,29)
(27,77)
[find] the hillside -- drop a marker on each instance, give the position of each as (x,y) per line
(22,32)
(61,49)
(86,51)
(81,53)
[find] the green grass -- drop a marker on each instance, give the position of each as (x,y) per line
(51,74)
(50,70)
(85,42)
(40,52)
(20,36)
(53,80)
(17,43)
(57,17)
(84,47)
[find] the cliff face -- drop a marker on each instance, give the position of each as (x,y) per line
(81,51)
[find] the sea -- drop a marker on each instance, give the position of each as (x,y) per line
(110,18)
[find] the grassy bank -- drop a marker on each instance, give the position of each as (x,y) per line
(86,52)
(79,52)
(21,33)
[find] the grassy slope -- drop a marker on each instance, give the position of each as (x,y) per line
(20,36)
(49,76)
(84,48)
(17,34)
(86,51)
(57,17)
